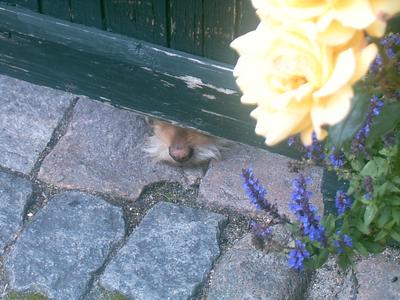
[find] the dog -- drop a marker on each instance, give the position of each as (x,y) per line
(181,146)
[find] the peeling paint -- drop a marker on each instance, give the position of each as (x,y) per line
(211,97)
(211,65)
(104,98)
(196,83)
(220,115)
(193,60)
(147,69)
(18,68)
(167,84)
(165,52)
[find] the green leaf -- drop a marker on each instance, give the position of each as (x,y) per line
(345,130)
(370,213)
(381,235)
(396,216)
(396,180)
(362,227)
(328,222)
(389,225)
(373,247)
(375,167)
(387,188)
(393,200)
(343,261)
(395,235)
(360,248)
(356,165)
(384,217)
(322,257)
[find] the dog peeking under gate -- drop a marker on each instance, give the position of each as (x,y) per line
(181,146)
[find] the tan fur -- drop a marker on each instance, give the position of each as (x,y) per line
(204,147)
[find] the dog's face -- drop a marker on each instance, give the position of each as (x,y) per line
(181,146)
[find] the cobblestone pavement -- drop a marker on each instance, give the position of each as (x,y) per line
(84,214)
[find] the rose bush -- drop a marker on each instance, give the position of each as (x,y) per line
(308,69)
(298,84)
(336,21)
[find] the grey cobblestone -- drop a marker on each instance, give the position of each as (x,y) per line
(14,194)
(102,151)
(68,249)
(28,116)
(222,185)
(63,245)
(168,256)
(378,276)
(374,277)
(245,272)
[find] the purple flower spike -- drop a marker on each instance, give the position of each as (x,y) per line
(305,212)
(298,255)
(374,109)
(315,151)
(256,192)
(343,241)
(342,202)
(336,158)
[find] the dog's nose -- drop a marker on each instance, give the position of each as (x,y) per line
(180,153)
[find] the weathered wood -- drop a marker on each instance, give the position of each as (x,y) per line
(186,25)
(247,19)
(59,9)
(31,4)
(219,29)
(87,12)
(156,81)
(142,19)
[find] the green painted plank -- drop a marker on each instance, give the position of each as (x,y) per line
(219,29)
(57,8)
(31,4)
(87,12)
(186,25)
(128,73)
(142,19)
(247,19)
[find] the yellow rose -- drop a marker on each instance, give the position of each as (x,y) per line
(298,84)
(337,21)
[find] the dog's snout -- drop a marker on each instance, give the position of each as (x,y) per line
(180,153)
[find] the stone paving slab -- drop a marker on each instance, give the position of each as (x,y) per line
(245,273)
(14,195)
(102,151)
(222,184)
(168,256)
(378,276)
(374,277)
(331,283)
(63,245)
(28,116)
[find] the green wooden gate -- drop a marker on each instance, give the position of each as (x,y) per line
(200,27)
(128,52)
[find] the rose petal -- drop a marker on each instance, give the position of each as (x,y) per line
(279,125)
(343,72)
(357,14)
(377,28)
(331,110)
(363,61)
(336,34)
